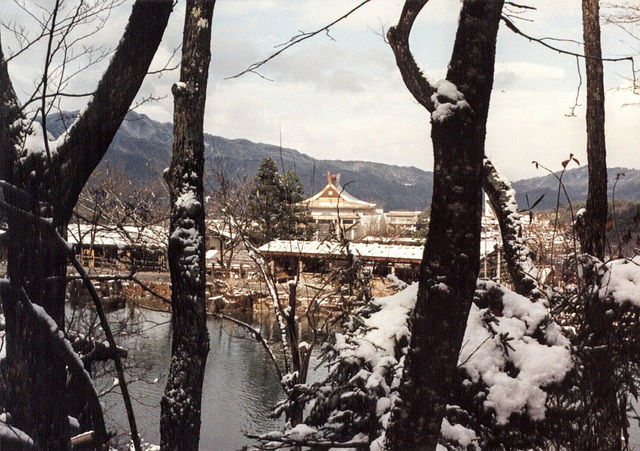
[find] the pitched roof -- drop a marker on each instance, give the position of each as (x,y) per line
(150,237)
(334,196)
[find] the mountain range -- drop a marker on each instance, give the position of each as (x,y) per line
(142,149)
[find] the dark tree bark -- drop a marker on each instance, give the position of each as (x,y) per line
(519,258)
(181,404)
(592,238)
(50,185)
(451,258)
(605,420)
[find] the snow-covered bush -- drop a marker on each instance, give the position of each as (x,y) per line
(601,315)
(365,365)
(512,354)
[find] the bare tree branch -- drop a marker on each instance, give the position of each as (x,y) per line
(412,75)
(253,68)
(542,41)
(572,112)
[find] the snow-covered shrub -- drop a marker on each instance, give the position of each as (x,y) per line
(512,354)
(601,314)
(365,364)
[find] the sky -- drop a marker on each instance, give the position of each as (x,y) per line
(340,96)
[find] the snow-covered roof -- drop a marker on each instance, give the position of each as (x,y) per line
(151,237)
(403,214)
(367,251)
(220,228)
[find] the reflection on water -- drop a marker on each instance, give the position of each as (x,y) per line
(239,390)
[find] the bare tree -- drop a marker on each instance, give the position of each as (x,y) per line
(110,205)
(599,369)
(181,403)
(459,107)
(520,259)
(593,235)
(227,212)
(48,177)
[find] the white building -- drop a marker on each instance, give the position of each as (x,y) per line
(334,210)
(402,221)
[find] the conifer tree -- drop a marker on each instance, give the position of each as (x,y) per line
(274,205)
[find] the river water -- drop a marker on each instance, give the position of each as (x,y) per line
(240,385)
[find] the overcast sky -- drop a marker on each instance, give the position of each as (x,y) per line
(340,96)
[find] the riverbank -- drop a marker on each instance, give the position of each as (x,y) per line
(242,295)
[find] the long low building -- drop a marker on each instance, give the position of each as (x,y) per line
(296,255)
(366,251)
(115,246)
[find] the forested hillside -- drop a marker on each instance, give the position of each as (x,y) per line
(141,150)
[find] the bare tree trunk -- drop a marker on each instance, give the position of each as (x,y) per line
(181,404)
(35,379)
(451,258)
(517,254)
(592,239)
(604,429)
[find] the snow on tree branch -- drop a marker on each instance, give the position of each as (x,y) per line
(519,258)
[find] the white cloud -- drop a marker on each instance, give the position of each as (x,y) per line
(509,74)
(345,99)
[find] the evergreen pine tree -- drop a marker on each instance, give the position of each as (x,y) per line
(274,205)
(294,217)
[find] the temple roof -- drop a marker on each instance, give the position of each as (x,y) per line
(333,196)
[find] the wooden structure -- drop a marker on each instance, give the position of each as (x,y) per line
(120,246)
(296,256)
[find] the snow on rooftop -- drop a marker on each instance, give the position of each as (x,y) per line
(333,195)
(367,250)
(153,237)
(373,251)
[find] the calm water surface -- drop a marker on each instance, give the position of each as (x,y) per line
(240,386)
